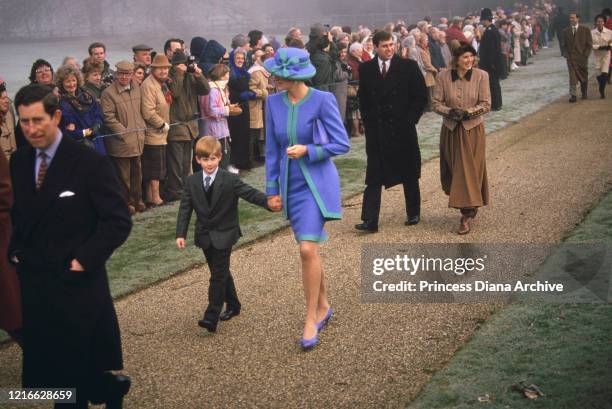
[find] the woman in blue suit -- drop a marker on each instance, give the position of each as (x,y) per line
(303,132)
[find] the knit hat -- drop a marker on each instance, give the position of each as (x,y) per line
(291,64)
(197,46)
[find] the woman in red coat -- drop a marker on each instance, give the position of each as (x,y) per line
(10,301)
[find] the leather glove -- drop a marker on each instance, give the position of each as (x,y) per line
(456,114)
(96,129)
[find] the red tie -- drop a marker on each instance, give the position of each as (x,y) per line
(42,170)
(384,69)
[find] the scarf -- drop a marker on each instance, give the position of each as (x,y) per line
(81,101)
(166,91)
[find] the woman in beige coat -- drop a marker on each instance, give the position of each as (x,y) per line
(259,85)
(429,71)
(462,97)
(155,107)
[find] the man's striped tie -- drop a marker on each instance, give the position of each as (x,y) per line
(42,170)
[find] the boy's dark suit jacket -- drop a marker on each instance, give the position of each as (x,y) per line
(217,222)
(69,322)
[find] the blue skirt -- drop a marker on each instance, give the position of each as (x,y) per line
(304,214)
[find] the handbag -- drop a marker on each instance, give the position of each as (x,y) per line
(319,134)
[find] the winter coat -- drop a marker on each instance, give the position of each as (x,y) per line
(121,109)
(155,111)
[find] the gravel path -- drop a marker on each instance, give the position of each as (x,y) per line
(545,172)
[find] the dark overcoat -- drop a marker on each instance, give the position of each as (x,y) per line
(491,60)
(391,107)
(70,327)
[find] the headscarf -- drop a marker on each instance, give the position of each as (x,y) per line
(236,72)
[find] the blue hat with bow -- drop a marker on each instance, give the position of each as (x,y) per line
(291,64)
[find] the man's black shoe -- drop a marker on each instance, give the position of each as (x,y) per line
(367,227)
(118,387)
(412,220)
(228,314)
(573,98)
(209,325)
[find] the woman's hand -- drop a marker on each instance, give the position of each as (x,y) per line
(297,151)
(70,127)
(87,132)
(274,203)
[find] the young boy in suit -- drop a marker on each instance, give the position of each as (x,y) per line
(213,193)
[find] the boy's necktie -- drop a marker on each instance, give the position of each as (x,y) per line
(206,183)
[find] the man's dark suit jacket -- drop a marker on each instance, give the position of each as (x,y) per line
(217,222)
(391,107)
(69,322)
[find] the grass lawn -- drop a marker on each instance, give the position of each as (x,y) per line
(566,350)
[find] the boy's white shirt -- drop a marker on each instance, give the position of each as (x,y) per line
(212,175)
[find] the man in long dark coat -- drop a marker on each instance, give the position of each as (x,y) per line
(576,46)
(392,97)
(491,57)
(68,218)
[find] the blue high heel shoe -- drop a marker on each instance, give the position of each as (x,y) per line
(308,344)
(321,324)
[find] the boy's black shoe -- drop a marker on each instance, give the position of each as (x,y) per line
(209,325)
(228,314)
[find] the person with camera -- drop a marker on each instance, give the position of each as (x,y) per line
(97,51)
(186,83)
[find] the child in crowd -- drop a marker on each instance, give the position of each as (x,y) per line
(215,108)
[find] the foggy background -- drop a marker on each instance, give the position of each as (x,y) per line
(53,19)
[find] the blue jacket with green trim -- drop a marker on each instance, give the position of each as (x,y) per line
(290,124)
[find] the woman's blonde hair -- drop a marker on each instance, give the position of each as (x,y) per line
(66,71)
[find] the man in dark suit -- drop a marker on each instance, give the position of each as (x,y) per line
(213,193)
(68,218)
(576,46)
(491,57)
(392,97)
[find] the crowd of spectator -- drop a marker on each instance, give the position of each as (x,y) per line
(147,114)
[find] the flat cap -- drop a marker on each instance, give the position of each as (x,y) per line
(141,47)
(124,66)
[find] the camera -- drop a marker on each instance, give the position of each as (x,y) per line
(191,64)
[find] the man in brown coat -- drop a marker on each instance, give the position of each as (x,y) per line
(576,46)
(187,83)
(10,300)
(121,107)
